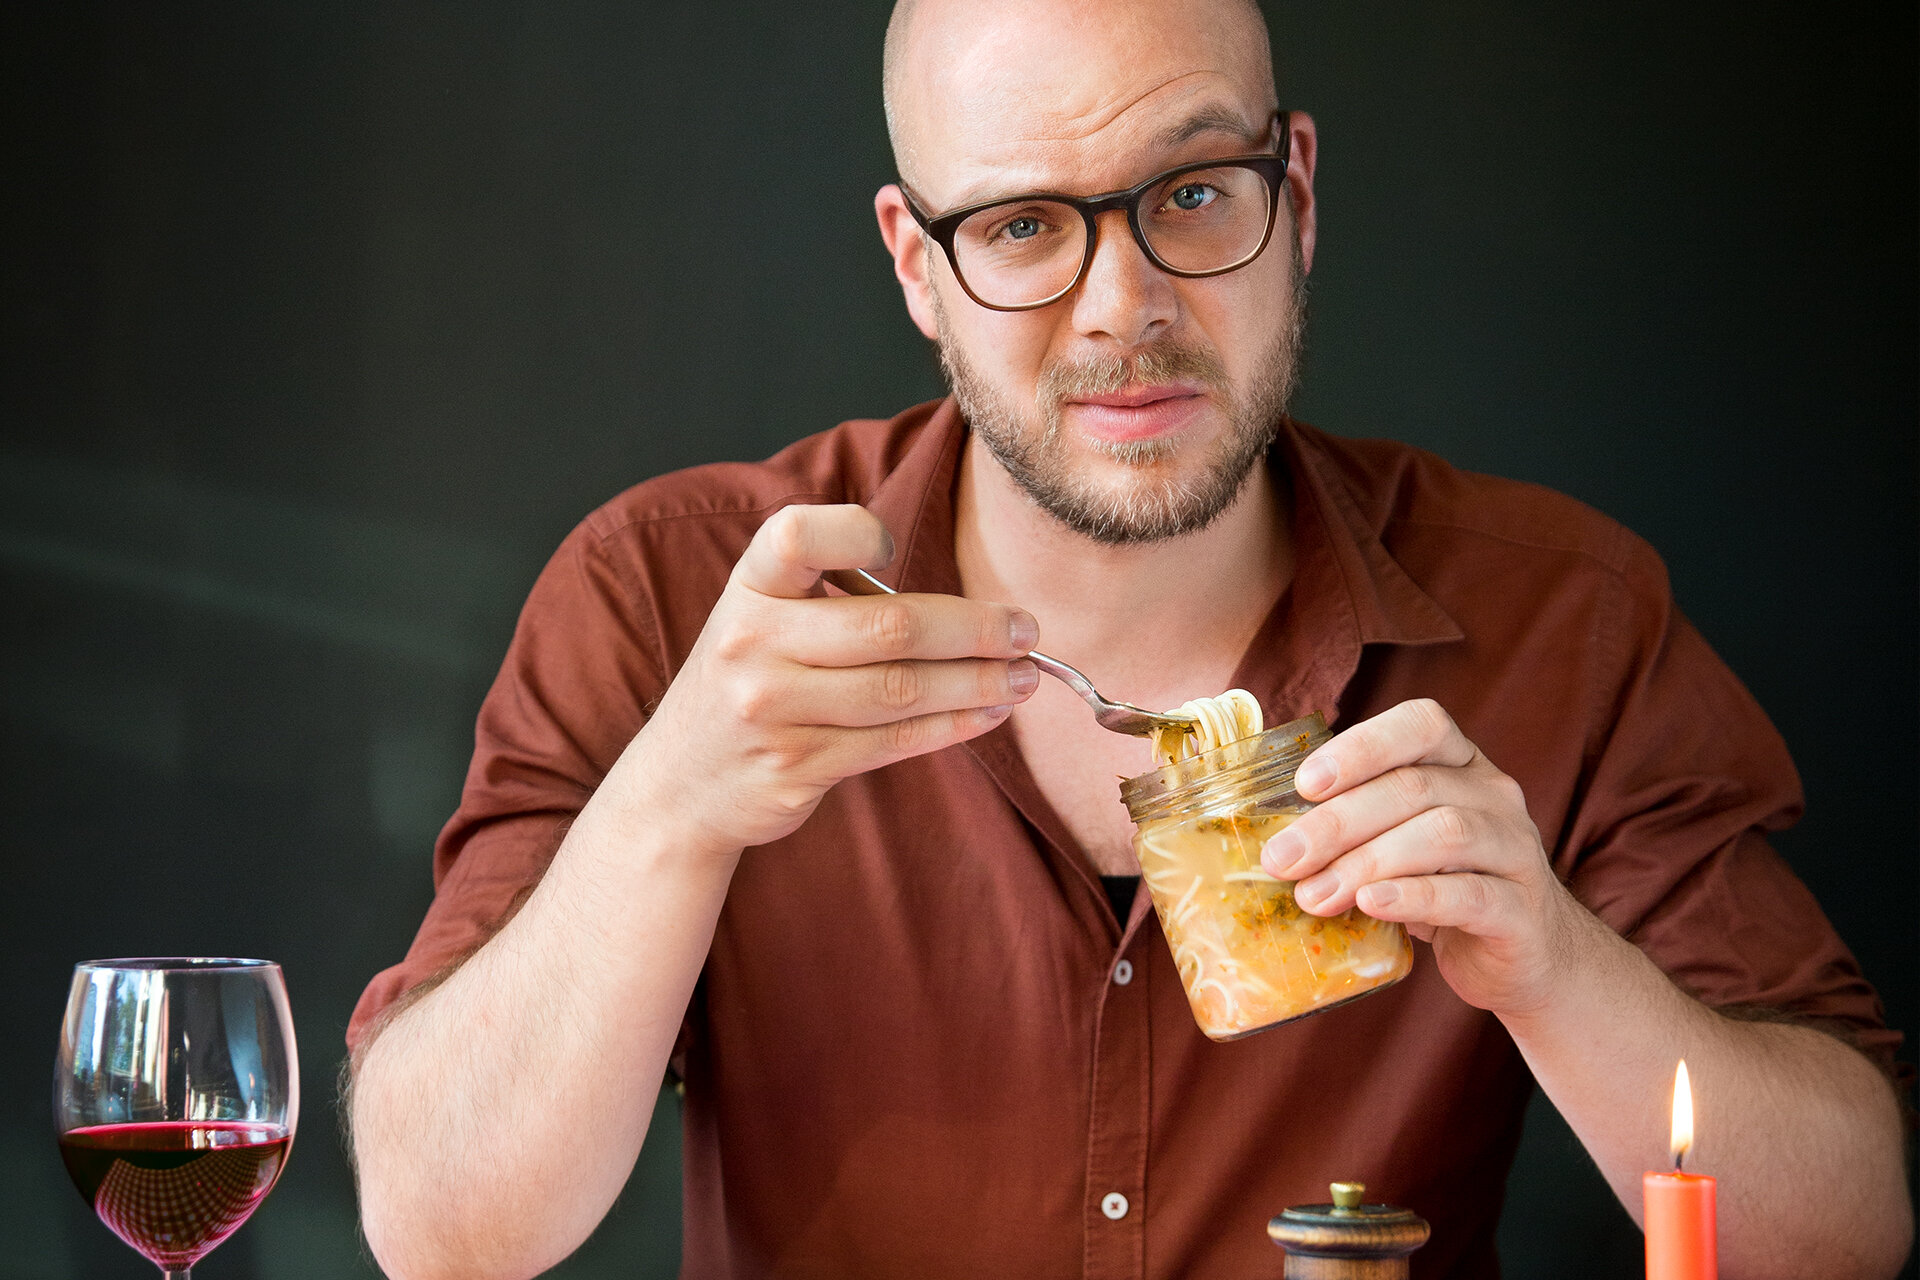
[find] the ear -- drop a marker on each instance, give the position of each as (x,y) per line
(908,246)
(1300,160)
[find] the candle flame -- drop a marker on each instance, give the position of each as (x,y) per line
(1682,1135)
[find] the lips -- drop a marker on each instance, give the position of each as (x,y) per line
(1137,413)
(1139,396)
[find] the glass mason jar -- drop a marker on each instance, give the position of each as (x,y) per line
(1248,956)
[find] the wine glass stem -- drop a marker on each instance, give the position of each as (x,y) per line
(184,1273)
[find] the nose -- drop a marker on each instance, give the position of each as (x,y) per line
(1123,298)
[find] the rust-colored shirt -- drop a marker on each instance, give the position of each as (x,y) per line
(913,1051)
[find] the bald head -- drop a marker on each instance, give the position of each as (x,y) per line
(971,85)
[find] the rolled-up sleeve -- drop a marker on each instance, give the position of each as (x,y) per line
(1685,779)
(582,672)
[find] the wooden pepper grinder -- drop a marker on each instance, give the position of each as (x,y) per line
(1347,1240)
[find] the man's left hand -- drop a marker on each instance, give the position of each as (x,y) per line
(1412,823)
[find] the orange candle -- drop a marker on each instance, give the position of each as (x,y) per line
(1678,1207)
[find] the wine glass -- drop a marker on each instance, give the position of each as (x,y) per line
(176,1091)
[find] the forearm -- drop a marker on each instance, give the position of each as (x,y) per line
(1801,1131)
(1413,823)
(496,1120)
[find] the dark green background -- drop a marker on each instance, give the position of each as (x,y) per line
(324,323)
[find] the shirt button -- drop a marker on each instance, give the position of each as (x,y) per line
(1123,974)
(1114,1205)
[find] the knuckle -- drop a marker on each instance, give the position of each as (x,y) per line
(786,533)
(1430,719)
(1447,827)
(782,756)
(738,637)
(753,700)
(1476,894)
(901,686)
(995,626)
(732,644)
(995,686)
(1328,829)
(1412,787)
(790,803)
(904,737)
(891,628)
(1509,790)
(1361,751)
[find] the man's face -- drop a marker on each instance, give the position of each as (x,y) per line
(1174,475)
(1135,407)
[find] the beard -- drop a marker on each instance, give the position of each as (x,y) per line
(1155,503)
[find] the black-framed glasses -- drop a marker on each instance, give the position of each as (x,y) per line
(1202,219)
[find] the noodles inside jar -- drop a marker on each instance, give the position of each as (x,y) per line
(1248,956)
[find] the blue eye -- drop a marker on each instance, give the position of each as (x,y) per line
(1191,196)
(1023,228)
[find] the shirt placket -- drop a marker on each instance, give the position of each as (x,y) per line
(1115,1200)
(1114,1197)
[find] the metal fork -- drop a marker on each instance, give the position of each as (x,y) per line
(1121,717)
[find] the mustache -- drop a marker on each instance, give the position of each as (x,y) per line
(1165,361)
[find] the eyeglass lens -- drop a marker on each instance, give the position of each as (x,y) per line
(1025,251)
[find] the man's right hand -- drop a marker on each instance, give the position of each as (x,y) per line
(785,693)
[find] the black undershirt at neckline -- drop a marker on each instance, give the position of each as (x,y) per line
(1120,893)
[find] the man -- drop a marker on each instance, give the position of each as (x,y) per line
(836,861)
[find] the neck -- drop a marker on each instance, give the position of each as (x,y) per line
(1119,611)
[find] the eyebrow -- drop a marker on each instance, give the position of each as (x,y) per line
(1213,119)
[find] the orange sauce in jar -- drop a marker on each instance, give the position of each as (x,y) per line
(1247,955)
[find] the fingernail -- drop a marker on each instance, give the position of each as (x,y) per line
(1025,630)
(1022,675)
(1380,895)
(886,555)
(1311,893)
(997,713)
(1316,775)
(1281,853)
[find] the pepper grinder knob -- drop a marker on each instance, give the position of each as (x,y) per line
(1347,1240)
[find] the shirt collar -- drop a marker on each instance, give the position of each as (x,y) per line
(1347,592)
(915,502)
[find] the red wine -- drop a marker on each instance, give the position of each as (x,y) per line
(175,1189)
